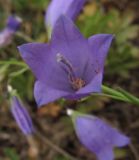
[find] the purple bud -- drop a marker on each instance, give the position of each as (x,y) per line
(13,23)
(22,116)
(6,35)
(70,8)
(98,136)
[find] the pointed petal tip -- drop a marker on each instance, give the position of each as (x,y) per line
(106,35)
(123,141)
(22,47)
(26,47)
(62,19)
(70,8)
(21,50)
(127,140)
(112,36)
(19,47)
(109,36)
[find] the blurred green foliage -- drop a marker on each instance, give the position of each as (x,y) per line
(60,158)
(21,5)
(123,54)
(11,154)
(123,57)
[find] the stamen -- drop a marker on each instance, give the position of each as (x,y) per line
(75,82)
(61,58)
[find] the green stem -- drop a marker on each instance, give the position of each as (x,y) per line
(119,94)
(115,97)
(130,96)
(112,91)
(25,37)
(13,62)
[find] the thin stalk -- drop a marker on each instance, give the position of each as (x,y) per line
(56,148)
(119,94)
(13,62)
(25,37)
(112,91)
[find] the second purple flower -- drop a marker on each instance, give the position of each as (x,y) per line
(97,136)
(70,8)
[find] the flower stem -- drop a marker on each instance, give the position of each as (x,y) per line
(25,37)
(55,147)
(13,62)
(119,94)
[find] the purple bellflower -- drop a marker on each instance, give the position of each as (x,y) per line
(70,8)
(6,35)
(13,23)
(22,117)
(70,66)
(97,136)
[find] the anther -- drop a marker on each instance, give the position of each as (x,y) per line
(62,59)
(59,57)
(75,82)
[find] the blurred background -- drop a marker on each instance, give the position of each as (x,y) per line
(121,70)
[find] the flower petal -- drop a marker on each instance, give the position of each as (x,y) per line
(36,55)
(67,40)
(75,96)
(89,130)
(45,94)
(105,154)
(6,37)
(70,8)
(94,86)
(96,135)
(42,62)
(22,117)
(99,46)
(120,140)
(13,23)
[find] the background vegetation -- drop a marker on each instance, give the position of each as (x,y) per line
(103,16)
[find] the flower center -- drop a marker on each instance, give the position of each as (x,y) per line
(75,81)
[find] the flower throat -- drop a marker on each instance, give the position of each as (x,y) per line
(75,81)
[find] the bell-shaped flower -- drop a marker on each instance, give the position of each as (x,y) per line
(56,8)
(70,66)
(22,116)
(6,35)
(97,136)
(13,23)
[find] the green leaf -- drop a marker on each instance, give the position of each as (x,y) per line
(11,154)
(131,97)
